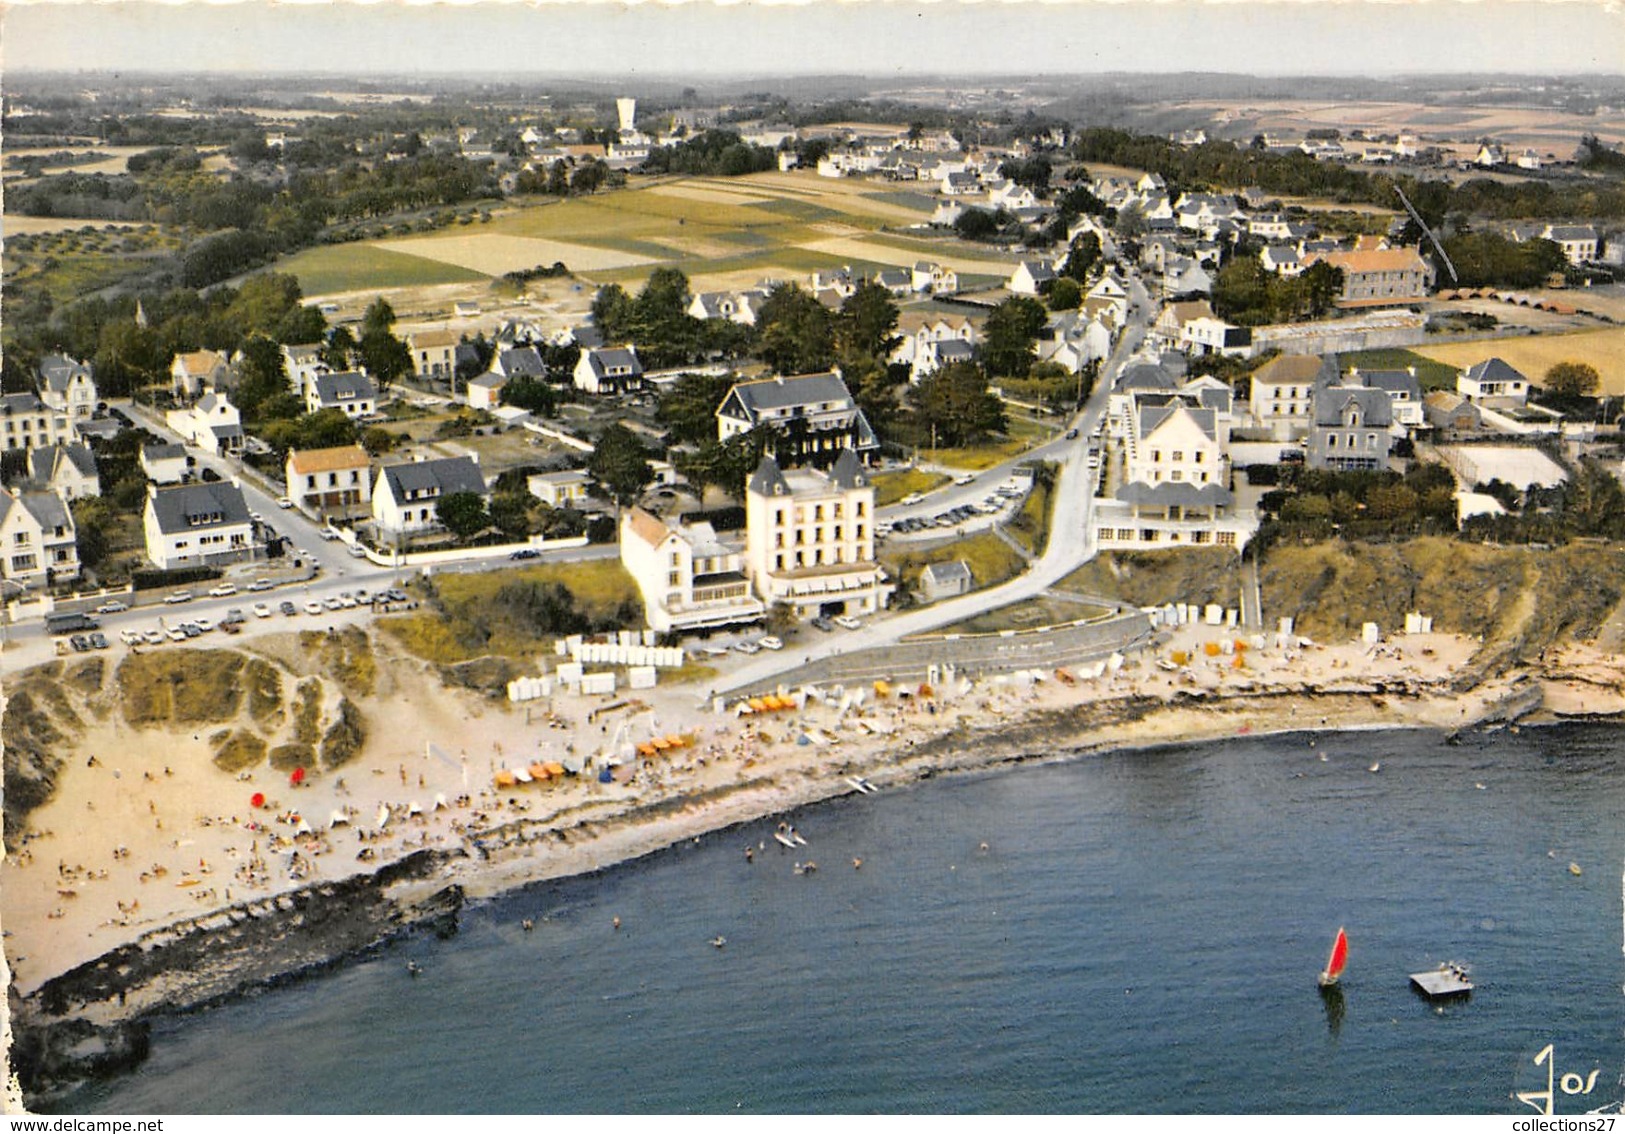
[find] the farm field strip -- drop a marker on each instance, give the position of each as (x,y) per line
(1533,355)
(869,249)
(495,254)
(336,268)
(708,194)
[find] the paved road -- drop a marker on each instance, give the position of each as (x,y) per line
(1071,539)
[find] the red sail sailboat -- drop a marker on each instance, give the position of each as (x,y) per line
(1335,963)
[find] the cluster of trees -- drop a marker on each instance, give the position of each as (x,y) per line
(712,153)
(658,321)
(1316,503)
(1589,504)
(1486,259)
(561,179)
(1250,295)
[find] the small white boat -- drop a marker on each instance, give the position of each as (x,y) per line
(860,784)
(785,839)
(796,835)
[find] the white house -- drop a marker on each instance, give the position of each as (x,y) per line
(351,391)
(329,482)
(608,370)
(689,575)
(568,488)
(485,391)
(67,470)
(303,361)
(928,276)
(1031,276)
(67,387)
(405,498)
(1175,490)
(1283,390)
(819,406)
(211,424)
(195,371)
(165,463)
(1493,383)
(197,525)
(434,354)
(27,422)
(38,541)
(809,539)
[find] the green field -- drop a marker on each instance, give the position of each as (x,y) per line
(355,267)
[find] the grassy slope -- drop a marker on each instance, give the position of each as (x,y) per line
(353,267)
(472,620)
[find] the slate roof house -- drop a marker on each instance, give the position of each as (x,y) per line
(815,413)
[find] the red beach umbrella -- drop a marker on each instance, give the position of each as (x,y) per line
(257,799)
(297,777)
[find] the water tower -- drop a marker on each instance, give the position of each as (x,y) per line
(627,108)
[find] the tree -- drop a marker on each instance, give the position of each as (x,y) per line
(384,356)
(1082,257)
(1323,287)
(531,394)
(954,406)
(867,320)
(689,407)
(1064,294)
(1008,337)
(1572,379)
(976,224)
(613,313)
(463,513)
(620,465)
(339,348)
(510,512)
(798,334)
(262,375)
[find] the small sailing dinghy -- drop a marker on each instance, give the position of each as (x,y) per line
(1335,963)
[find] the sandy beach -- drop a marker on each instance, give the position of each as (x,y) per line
(146,839)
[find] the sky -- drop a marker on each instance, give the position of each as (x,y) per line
(588,38)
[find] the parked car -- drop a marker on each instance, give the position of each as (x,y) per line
(965,479)
(771,643)
(235,616)
(1071,434)
(224,590)
(113,607)
(261,585)
(526,553)
(912,498)
(79,643)
(314,607)
(131,637)
(97,640)
(847,622)
(204,625)
(154,637)
(288,608)
(283,502)
(357,551)
(261,610)
(347,600)
(747,647)
(178,596)
(176,634)
(191,630)
(823,624)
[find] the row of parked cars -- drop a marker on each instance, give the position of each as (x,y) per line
(994,503)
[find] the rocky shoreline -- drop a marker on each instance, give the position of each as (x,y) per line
(95,1019)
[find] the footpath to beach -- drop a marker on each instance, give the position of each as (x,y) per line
(148,882)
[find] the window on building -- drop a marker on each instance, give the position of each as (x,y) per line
(675,578)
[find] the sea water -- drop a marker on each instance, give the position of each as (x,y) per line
(1133,932)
